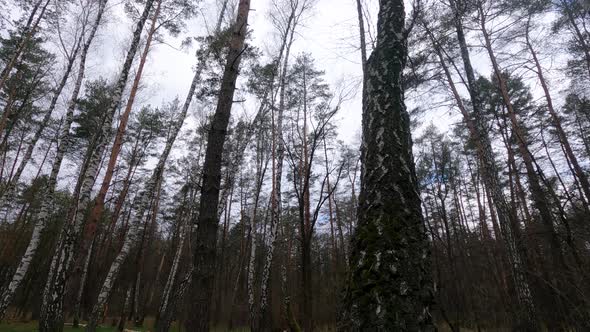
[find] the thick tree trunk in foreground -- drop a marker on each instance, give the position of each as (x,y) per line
(205,247)
(390,287)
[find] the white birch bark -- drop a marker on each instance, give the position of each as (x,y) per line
(142,202)
(251,269)
(52,311)
(238,157)
(78,303)
(174,269)
(260,172)
(46,204)
(278,169)
(165,320)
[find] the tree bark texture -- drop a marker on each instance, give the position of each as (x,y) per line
(389,287)
(207,220)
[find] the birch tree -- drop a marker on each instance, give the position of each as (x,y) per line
(168,14)
(41,218)
(52,307)
(286,19)
(389,287)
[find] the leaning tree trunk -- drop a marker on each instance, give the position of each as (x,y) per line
(46,204)
(141,205)
(556,121)
(132,234)
(29,152)
(277,169)
(52,309)
(540,199)
(508,223)
(142,202)
(175,263)
(205,247)
(51,318)
(78,302)
(98,209)
(389,287)
(166,318)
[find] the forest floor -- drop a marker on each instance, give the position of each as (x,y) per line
(32,326)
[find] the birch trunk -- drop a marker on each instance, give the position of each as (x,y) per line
(141,205)
(78,303)
(143,250)
(46,204)
(277,167)
(98,209)
(165,321)
(260,172)
(238,158)
(534,174)
(174,269)
(52,308)
(390,287)
(142,202)
(52,318)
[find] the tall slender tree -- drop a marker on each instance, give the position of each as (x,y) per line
(41,218)
(53,296)
(205,247)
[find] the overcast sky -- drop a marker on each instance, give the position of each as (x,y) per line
(330,34)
